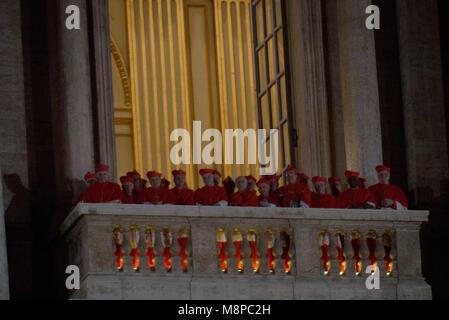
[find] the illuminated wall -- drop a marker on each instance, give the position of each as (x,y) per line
(176,61)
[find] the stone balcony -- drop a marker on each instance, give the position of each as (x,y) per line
(300,274)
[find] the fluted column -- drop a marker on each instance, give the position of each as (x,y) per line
(71,99)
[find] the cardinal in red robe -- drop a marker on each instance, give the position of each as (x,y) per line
(303,178)
(155,195)
(388,196)
(320,199)
(139,184)
(128,196)
(183,195)
(103,191)
(90,179)
(266,198)
(356,197)
(295,192)
(243,197)
(336,186)
(210,194)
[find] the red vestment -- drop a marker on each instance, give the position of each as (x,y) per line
(355,198)
(183,196)
(210,196)
(245,198)
(389,191)
(325,201)
(155,196)
(272,199)
(295,192)
(129,198)
(102,193)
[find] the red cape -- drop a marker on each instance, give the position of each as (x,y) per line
(102,193)
(154,196)
(210,196)
(295,192)
(183,197)
(355,198)
(389,191)
(244,198)
(325,201)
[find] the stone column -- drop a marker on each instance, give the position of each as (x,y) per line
(4,282)
(359,89)
(103,95)
(71,99)
(423,96)
(308,82)
(13,129)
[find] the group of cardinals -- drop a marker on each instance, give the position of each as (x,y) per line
(242,192)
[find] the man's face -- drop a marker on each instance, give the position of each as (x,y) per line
(209,180)
(264,189)
(103,176)
(353,182)
(251,185)
(180,181)
(128,187)
(138,183)
(91,182)
(320,187)
(155,182)
(384,177)
(241,183)
(291,176)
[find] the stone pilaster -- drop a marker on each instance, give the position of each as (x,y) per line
(309,97)
(71,99)
(13,150)
(103,96)
(423,96)
(4,282)
(354,88)
(359,87)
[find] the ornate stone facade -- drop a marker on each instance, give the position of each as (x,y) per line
(56,116)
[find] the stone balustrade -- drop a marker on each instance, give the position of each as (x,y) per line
(211,236)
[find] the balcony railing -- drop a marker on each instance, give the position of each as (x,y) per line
(125,252)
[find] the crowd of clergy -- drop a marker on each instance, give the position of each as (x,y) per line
(242,192)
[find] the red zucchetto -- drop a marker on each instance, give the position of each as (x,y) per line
(250,177)
(152,174)
(349,174)
(126,179)
(176,173)
(90,176)
(290,168)
(318,179)
(133,173)
(207,171)
(333,180)
(101,168)
(382,168)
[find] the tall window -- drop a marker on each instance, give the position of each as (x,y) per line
(272,79)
